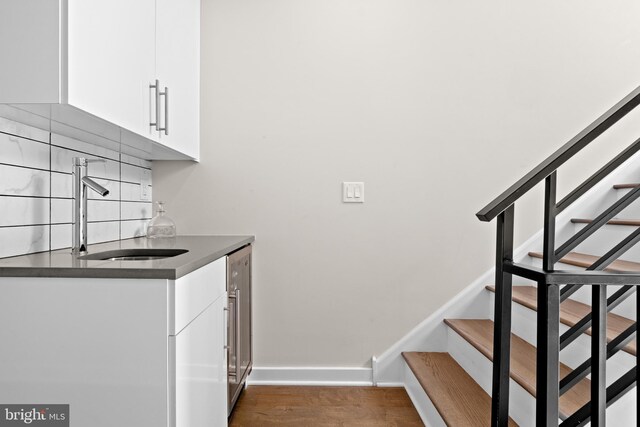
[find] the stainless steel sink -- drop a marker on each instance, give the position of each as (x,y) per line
(134,254)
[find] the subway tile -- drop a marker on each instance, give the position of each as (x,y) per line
(62,161)
(136,228)
(23,152)
(84,147)
(36,190)
(97,210)
(137,210)
(135,174)
(34,131)
(125,158)
(61,236)
(61,185)
(98,232)
(23,211)
(103,210)
(61,211)
(21,181)
(23,240)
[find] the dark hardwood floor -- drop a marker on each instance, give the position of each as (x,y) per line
(324,406)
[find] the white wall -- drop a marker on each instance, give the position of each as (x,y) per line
(437,106)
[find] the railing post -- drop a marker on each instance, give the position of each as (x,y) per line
(598,355)
(548,355)
(502,321)
(549,238)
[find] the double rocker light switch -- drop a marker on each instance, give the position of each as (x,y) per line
(353,192)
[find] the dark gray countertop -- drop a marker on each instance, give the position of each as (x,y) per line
(202,251)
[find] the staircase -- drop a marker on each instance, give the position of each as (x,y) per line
(559,348)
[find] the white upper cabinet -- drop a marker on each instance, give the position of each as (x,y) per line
(97,61)
(178,70)
(111,51)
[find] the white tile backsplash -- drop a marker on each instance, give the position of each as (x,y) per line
(136,210)
(36,190)
(23,211)
(131,229)
(61,236)
(17,128)
(103,231)
(134,174)
(61,211)
(83,147)
(61,161)
(103,210)
(61,185)
(23,240)
(23,152)
(19,181)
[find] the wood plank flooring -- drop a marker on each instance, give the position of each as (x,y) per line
(459,400)
(264,406)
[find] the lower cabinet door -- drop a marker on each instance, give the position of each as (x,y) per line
(201,370)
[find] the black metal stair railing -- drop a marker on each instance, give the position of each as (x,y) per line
(549,387)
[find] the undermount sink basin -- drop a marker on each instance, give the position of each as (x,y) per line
(134,254)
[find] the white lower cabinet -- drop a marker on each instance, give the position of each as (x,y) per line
(120,352)
(201,369)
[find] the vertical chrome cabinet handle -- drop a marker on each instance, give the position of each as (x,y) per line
(233,347)
(165,129)
(225,329)
(156,123)
(238,336)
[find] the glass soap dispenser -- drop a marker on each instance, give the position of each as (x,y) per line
(161,225)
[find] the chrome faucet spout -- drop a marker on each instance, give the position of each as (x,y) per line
(95,186)
(80,184)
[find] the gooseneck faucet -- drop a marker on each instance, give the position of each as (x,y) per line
(80,184)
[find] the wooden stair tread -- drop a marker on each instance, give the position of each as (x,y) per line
(585,260)
(571,312)
(632,222)
(479,333)
(624,186)
(460,401)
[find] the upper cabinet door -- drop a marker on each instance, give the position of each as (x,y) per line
(111,61)
(178,69)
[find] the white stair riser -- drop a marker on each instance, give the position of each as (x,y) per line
(625,309)
(521,404)
(606,238)
(523,324)
(428,413)
(623,412)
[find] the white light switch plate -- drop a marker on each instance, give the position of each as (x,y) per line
(353,192)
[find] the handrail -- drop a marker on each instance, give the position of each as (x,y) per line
(558,158)
(549,295)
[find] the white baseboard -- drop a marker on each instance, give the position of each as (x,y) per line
(311,376)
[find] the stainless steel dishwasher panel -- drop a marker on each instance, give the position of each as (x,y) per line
(239,330)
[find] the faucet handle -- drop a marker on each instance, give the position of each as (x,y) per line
(95,160)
